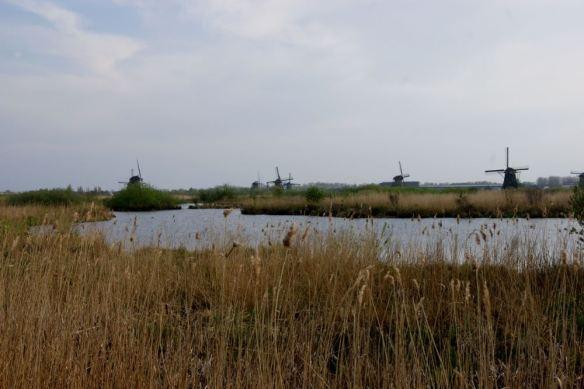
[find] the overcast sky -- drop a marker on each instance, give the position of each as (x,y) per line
(207,92)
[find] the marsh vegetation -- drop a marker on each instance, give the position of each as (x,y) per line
(522,203)
(46,197)
(304,312)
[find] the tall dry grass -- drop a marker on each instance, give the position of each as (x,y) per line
(76,312)
(486,203)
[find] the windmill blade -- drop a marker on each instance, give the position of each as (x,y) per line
(401,173)
(521,168)
(405,175)
(495,171)
(278,172)
(139,171)
(578,173)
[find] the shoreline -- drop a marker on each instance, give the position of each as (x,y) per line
(351,213)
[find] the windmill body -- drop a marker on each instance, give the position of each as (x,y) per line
(510,180)
(134,179)
(257,184)
(282,183)
(289,184)
(399,179)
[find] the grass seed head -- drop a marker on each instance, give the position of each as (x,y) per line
(287,242)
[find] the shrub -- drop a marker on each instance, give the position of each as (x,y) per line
(314,194)
(141,197)
(45,197)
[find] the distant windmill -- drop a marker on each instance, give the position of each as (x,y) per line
(399,179)
(581,175)
(510,180)
(280,182)
(257,184)
(289,184)
(133,178)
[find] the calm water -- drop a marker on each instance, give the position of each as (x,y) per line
(201,228)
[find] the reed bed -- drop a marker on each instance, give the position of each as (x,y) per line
(18,219)
(511,203)
(77,312)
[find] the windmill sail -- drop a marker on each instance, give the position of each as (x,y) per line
(139,171)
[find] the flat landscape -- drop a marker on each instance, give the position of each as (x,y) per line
(291,194)
(302,312)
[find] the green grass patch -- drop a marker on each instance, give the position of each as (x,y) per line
(45,197)
(219,193)
(141,197)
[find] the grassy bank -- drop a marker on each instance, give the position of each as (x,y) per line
(141,197)
(47,197)
(519,203)
(17,220)
(307,313)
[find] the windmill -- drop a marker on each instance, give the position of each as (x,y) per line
(399,179)
(134,179)
(289,184)
(280,182)
(510,180)
(581,175)
(257,184)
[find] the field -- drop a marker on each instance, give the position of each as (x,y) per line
(308,312)
(406,204)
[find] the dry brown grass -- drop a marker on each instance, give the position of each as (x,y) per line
(520,203)
(75,312)
(20,218)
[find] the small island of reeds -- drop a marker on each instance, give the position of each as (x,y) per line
(142,197)
(376,201)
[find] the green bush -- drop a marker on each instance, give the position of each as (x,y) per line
(141,197)
(45,197)
(314,194)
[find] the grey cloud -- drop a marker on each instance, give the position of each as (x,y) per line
(329,91)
